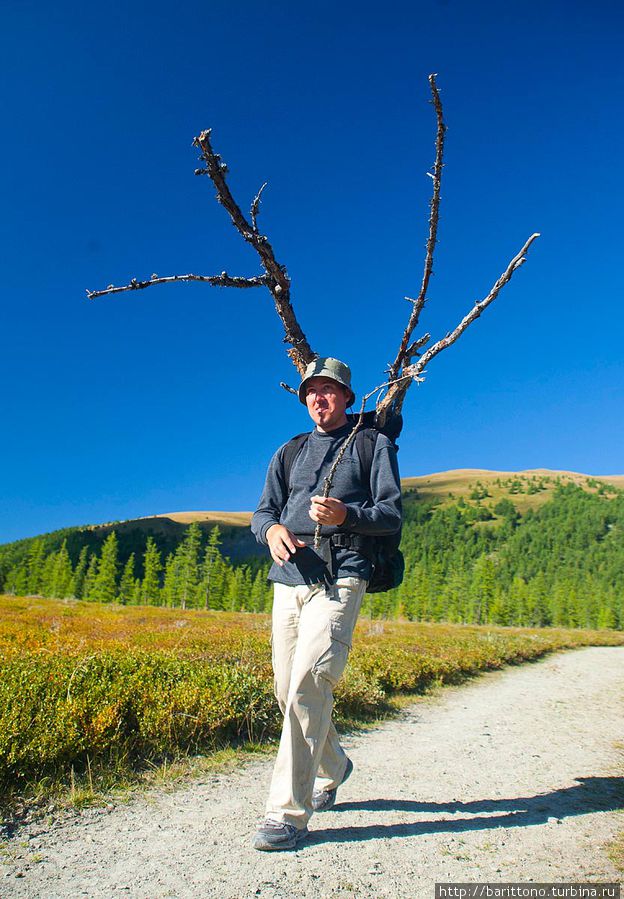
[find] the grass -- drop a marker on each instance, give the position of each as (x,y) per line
(100,698)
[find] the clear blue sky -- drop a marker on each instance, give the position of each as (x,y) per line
(167,399)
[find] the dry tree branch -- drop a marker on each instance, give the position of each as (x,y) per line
(406,351)
(275,277)
(255,208)
(396,394)
(278,281)
(415,369)
(222,280)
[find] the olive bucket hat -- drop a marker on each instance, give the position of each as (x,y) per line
(326,367)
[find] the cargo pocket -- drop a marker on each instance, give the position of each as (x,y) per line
(275,688)
(331,663)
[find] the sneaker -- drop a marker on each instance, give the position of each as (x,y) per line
(323,800)
(273,835)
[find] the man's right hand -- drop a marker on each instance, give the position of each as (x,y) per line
(282,543)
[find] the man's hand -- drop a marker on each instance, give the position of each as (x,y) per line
(282,543)
(327,510)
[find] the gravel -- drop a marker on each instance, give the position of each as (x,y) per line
(514,776)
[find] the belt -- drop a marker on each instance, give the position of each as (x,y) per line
(343,541)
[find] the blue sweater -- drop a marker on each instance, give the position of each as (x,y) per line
(373,508)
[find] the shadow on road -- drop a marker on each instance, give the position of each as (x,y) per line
(589,794)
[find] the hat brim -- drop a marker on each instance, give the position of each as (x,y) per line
(301,391)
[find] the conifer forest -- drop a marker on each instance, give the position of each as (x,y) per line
(479,558)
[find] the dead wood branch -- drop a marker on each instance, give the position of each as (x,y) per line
(407,350)
(278,281)
(395,396)
(417,368)
(222,280)
(275,277)
(255,208)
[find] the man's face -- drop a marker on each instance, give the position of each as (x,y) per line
(326,400)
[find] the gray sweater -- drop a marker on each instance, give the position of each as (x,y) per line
(372,509)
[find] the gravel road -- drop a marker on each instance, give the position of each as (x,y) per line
(514,776)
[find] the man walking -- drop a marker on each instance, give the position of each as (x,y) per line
(318,593)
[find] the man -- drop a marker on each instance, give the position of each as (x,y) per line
(317,594)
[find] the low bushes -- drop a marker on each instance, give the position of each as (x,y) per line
(86,684)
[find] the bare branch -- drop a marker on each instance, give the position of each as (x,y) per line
(278,281)
(222,280)
(417,345)
(403,356)
(397,397)
(255,208)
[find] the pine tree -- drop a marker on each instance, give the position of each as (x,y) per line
(88,587)
(216,572)
(47,575)
(171,585)
(234,592)
(80,572)
(127,583)
(210,588)
(152,566)
(62,573)
(105,587)
(188,569)
(482,590)
(35,563)
(16,582)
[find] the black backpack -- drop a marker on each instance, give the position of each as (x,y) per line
(388,565)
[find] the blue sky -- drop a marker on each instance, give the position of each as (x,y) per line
(168,399)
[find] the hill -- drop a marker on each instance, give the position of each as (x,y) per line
(530,548)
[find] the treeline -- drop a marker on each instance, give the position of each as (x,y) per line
(469,560)
(195,575)
(561,564)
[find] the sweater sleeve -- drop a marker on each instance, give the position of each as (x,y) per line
(384,515)
(273,499)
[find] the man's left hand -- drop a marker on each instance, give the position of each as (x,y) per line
(327,510)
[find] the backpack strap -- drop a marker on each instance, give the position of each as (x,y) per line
(365,442)
(290,453)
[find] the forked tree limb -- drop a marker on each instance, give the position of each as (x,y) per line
(396,393)
(406,350)
(275,277)
(278,281)
(222,280)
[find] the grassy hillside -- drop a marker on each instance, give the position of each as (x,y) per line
(525,548)
(527,490)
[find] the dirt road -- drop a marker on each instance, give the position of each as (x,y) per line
(515,776)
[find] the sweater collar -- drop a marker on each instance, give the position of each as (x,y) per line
(337,434)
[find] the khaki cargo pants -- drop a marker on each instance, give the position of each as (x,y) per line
(312,633)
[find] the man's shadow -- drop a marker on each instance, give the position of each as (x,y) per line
(589,794)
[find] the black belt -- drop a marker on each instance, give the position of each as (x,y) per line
(343,541)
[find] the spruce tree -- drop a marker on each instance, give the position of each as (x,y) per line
(80,572)
(36,560)
(105,587)
(62,574)
(171,585)
(152,566)
(209,570)
(127,583)
(188,568)
(88,587)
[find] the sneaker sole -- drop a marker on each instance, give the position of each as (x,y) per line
(267,846)
(331,802)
